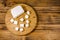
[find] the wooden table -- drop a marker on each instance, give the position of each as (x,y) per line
(48,27)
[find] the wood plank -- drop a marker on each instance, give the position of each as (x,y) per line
(48,26)
(35,35)
(47,9)
(34,2)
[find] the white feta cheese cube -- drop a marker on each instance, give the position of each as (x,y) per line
(27,25)
(21,29)
(28,12)
(16,11)
(15,22)
(12,20)
(21,25)
(26,16)
(16,28)
(27,21)
(22,19)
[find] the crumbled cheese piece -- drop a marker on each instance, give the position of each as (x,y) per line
(16,11)
(21,29)
(12,20)
(26,16)
(16,28)
(15,22)
(21,25)
(22,19)
(27,21)
(28,12)
(27,25)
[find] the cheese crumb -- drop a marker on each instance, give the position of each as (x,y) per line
(21,29)
(12,20)
(22,19)
(21,25)
(26,16)
(27,25)
(28,12)
(16,28)
(15,22)
(27,21)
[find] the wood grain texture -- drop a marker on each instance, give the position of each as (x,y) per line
(48,27)
(35,2)
(44,35)
(6,35)
(35,35)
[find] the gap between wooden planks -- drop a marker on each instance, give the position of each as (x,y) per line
(35,35)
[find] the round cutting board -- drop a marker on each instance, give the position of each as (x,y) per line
(32,20)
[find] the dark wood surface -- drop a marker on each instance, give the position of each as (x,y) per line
(48,26)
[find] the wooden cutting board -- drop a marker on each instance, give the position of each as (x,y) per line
(32,18)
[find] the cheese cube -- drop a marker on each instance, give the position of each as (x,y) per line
(27,21)
(27,25)
(16,28)
(21,25)
(26,16)
(15,22)
(28,12)
(21,29)
(22,19)
(16,11)
(12,20)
